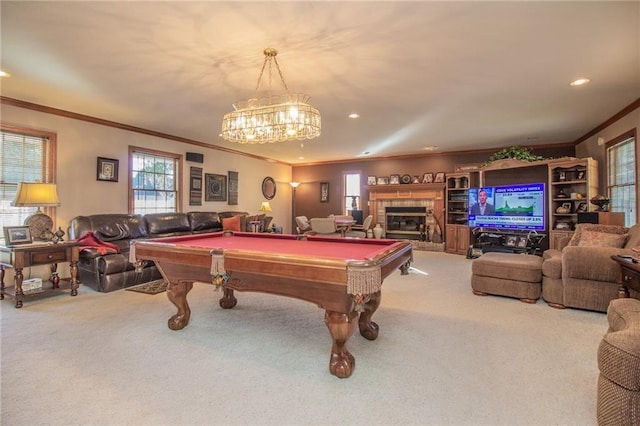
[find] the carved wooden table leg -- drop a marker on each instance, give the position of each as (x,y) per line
(177,294)
(369,329)
(404,268)
(73,269)
(1,282)
(341,326)
(19,293)
(54,278)
(228,300)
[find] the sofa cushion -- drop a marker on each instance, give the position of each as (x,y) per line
(204,221)
(165,224)
(231,223)
(509,266)
(634,237)
(601,239)
(552,266)
(581,227)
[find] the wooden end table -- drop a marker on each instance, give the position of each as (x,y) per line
(19,257)
(629,275)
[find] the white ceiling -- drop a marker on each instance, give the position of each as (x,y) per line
(456,75)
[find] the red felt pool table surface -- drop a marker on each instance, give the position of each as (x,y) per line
(341,275)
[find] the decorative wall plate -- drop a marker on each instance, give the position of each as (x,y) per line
(406,179)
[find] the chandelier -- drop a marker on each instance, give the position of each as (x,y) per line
(276,118)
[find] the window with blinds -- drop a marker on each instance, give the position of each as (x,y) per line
(154,182)
(621,182)
(24,157)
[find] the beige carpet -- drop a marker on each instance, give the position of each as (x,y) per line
(443,357)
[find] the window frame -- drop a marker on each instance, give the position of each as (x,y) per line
(611,144)
(346,199)
(49,172)
(178,178)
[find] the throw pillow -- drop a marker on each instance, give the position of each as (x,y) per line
(601,239)
(231,223)
(581,227)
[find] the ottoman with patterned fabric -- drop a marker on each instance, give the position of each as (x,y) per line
(508,274)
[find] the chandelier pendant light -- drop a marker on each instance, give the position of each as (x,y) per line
(276,118)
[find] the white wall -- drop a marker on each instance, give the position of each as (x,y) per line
(79,143)
(591,148)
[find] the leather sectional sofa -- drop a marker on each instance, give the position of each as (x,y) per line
(106,238)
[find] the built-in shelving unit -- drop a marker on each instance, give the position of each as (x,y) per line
(457,208)
(572,183)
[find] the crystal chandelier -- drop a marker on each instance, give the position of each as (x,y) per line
(277,118)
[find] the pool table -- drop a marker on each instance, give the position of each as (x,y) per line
(343,276)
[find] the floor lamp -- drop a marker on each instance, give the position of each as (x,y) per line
(294,185)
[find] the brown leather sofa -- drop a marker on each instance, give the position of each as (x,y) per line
(582,274)
(108,271)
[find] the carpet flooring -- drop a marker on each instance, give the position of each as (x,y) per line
(443,357)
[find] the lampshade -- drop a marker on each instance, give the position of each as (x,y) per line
(36,194)
(276,118)
(265,206)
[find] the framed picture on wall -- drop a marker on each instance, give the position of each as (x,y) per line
(215,187)
(324,192)
(107,169)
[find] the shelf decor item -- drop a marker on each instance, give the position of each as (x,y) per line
(601,202)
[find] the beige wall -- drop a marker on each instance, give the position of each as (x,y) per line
(591,147)
(80,143)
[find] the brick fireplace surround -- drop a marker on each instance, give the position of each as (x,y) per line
(430,196)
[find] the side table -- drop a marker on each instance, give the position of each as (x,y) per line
(629,275)
(19,257)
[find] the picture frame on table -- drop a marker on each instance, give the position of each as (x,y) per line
(522,242)
(567,206)
(383,180)
(511,240)
(427,178)
(394,179)
(581,207)
(371,180)
(580,175)
(439,178)
(107,169)
(324,192)
(17,235)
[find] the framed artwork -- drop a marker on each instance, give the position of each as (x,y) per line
(215,187)
(580,175)
(17,235)
(567,206)
(522,242)
(394,179)
(383,181)
(581,207)
(511,240)
(427,178)
(107,169)
(324,192)
(233,188)
(195,186)
(439,177)
(371,180)
(268,188)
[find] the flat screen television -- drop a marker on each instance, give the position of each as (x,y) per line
(509,207)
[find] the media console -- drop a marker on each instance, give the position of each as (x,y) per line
(495,240)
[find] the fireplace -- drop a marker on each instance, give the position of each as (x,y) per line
(405,222)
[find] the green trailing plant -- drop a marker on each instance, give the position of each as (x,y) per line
(515,152)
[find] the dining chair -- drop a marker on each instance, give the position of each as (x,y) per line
(360,231)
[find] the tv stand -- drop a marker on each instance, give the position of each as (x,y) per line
(503,241)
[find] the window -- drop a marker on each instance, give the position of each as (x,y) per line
(154,178)
(351,192)
(25,156)
(621,179)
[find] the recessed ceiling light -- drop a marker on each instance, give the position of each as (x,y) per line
(366,153)
(354,116)
(579,82)
(430,148)
(4,74)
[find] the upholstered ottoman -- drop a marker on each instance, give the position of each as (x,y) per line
(508,274)
(619,364)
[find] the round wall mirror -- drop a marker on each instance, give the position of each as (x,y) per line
(269,188)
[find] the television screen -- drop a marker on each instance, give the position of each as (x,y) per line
(517,207)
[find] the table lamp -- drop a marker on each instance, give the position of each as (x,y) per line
(265,207)
(37,194)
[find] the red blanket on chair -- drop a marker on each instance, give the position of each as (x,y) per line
(89,240)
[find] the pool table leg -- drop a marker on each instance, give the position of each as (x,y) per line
(369,329)
(341,326)
(177,294)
